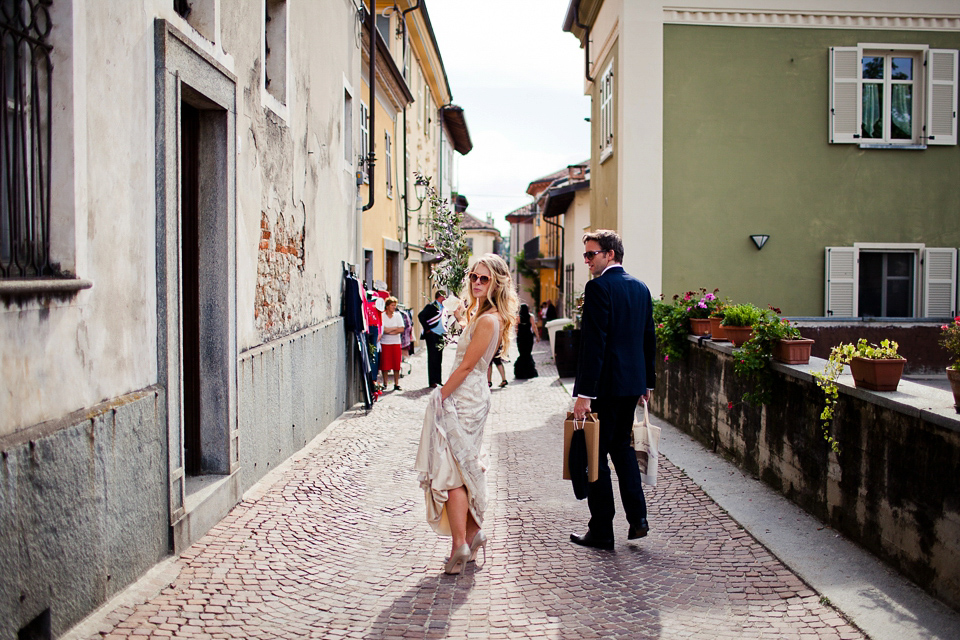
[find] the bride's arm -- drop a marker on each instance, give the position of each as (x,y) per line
(482,336)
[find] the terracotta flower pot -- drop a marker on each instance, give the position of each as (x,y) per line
(699,326)
(738,335)
(953,375)
(793,351)
(877,375)
(717,333)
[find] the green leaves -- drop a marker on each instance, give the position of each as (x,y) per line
(448,240)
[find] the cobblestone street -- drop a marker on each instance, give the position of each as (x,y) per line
(334,544)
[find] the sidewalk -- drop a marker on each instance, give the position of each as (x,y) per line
(333,543)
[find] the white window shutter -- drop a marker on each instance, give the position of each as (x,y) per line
(840,292)
(844,95)
(941,120)
(939,283)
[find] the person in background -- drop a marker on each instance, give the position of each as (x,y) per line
(498,361)
(431,319)
(391,353)
(525,367)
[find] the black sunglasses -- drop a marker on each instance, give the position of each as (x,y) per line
(482,279)
(588,255)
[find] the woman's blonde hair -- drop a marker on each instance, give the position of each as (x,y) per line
(501,297)
(389,301)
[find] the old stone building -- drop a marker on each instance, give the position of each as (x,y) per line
(180,202)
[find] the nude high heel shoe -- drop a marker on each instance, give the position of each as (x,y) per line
(458,561)
(479,541)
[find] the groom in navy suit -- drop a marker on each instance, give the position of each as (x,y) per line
(615,371)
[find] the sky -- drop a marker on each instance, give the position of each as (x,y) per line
(519,78)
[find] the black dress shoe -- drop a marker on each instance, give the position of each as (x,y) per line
(589,539)
(640,531)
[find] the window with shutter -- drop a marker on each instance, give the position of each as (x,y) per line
(840,293)
(942,96)
(893,96)
(939,283)
(606,113)
(844,114)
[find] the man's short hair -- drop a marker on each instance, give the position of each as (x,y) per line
(608,241)
(438,294)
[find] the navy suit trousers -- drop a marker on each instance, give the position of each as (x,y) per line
(616,422)
(434,357)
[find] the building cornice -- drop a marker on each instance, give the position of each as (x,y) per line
(812,19)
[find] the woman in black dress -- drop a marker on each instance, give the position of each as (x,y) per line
(524,367)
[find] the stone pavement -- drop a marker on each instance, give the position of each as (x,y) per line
(333,544)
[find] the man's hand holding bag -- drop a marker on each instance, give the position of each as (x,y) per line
(581,454)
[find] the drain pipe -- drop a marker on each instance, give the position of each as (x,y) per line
(575,14)
(406,169)
(371,158)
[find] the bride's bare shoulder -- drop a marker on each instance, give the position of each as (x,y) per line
(490,318)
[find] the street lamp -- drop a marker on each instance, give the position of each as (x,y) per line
(420,191)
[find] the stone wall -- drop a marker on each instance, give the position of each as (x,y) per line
(83,509)
(892,488)
(289,391)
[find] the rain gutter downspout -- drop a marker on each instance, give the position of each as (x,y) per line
(586,59)
(406,169)
(371,158)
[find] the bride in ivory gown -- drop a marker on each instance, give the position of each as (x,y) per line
(451,459)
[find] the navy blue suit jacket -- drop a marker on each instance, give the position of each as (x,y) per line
(617,341)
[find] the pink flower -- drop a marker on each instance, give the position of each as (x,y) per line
(944,327)
(729,405)
(666,358)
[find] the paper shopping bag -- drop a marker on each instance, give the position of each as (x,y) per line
(646,440)
(591,430)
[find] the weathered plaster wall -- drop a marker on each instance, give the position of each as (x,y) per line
(295,192)
(892,487)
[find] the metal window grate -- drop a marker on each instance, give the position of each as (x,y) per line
(25,139)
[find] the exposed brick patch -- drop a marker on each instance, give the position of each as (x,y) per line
(280,258)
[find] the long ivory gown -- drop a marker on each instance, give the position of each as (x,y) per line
(451,450)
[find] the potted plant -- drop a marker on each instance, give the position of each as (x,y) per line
(775,337)
(876,367)
(700,312)
(862,357)
(950,340)
(717,334)
(787,344)
(738,322)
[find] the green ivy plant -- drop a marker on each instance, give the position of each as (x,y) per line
(840,356)
(753,358)
(672,325)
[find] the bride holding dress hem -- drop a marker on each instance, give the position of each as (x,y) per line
(451,458)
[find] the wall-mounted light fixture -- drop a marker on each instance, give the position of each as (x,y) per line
(420,191)
(759,239)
